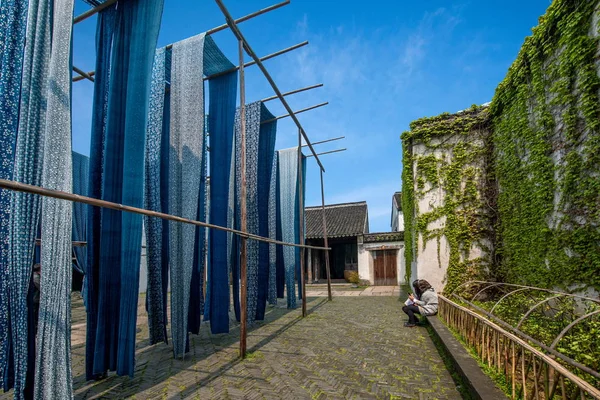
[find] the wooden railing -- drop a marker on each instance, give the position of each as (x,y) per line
(529,372)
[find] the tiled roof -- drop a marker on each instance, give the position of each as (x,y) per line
(383,237)
(398,197)
(343,220)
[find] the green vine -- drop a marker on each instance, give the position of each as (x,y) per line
(458,167)
(520,179)
(546,133)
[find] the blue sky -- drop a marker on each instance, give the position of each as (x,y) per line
(383,63)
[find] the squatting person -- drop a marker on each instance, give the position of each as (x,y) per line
(424,301)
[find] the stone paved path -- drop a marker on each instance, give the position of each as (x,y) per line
(346,290)
(352,348)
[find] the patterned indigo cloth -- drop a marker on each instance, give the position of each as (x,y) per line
(185,166)
(104,38)
(25,211)
(260,146)
(53,376)
(122,178)
(290,218)
(176,133)
(196,303)
(157,162)
(13,22)
(221,111)
(252,112)
(273,218)
(279,262)
(266,152)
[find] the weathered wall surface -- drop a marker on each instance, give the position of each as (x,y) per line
(526,206)
(546,118)
(450,226)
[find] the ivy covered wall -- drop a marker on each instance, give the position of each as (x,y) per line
(541,160)
(448,224)
(546,118)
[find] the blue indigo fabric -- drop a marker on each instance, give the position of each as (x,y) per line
(134,43)
(53,375)
(252,112)
(260,146)
(222,99)
(156,167)
(81,170)
(273,219)
(13,23)
(266,151)
(25,208)
(290,218)
(104,38)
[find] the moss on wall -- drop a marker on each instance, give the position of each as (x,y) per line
(451,157)
(546,118)
(542,162)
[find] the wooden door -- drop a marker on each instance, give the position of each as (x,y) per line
(385,267)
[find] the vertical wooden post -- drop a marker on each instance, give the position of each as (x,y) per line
(326,252)
(243,216)
(309,265)
(301,222)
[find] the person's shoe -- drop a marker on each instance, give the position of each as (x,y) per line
(409,325)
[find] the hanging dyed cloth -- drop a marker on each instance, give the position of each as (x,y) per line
(279,262)
(53,377)
(81,170)
(266,152)
(179,186)
(185,166)
(156,199)
(290,218)
(135,36)
(104,38)
(25,208)
(273,218)
(13,22)
(196,304)
(260,146)
(222,98)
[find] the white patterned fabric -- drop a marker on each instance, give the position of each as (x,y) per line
(53,379)
(185,166)
(28,169)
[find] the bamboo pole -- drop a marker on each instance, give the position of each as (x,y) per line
(301,222)
(326,141)
(304,89)
(216,75)
(83,74)
(513,369)
(238,34)
(535,379)
(295,112)
(329,152)
(523,377)
(243,215)
(326,243)
(93,11)
(57,194)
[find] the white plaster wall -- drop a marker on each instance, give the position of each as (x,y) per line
(365,261)
(400,221)
(401,266)
(432,257)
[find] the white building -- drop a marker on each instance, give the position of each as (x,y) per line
(397,214)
